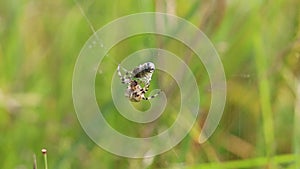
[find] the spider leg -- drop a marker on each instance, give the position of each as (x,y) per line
(151,97)
(146,88)
(124,79)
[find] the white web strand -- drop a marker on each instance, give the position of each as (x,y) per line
(92,28)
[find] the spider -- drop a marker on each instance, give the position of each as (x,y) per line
(143,73)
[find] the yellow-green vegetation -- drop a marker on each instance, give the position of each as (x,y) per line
(258,42)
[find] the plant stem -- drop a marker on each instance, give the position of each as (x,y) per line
(44,151)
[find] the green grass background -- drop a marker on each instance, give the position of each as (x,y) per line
(258,42)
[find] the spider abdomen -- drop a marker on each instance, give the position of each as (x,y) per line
(143,70)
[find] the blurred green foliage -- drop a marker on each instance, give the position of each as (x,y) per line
(258,42)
